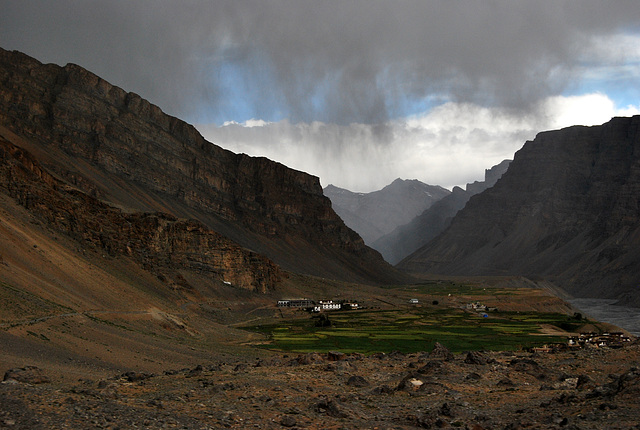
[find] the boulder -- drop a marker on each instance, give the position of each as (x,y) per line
(440,352)
(357,381)
(475,357)
(27,374)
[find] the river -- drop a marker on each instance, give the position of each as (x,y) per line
(604,310)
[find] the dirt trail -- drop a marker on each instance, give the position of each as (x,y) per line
(72,314)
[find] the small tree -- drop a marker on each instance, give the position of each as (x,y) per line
(323,321)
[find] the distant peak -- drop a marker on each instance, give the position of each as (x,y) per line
(404,181)
(333,190)
(332,187)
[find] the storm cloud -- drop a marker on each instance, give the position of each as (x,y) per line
(349,73)
(338,62)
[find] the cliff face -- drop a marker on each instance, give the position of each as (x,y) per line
(568,208)
(409,237)
(117,147)
(158,242)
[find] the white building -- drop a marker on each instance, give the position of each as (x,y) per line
(326,305)
(295,303)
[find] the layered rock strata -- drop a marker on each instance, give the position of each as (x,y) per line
(157,241)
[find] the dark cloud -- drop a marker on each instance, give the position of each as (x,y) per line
(348,61)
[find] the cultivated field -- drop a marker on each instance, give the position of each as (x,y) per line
(441,315)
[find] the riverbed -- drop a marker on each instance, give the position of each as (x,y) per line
(606,310)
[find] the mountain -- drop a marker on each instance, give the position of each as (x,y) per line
(407,238)
(377,213)
(138,173)
(154,240)
(567,209)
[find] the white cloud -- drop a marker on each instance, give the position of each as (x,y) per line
(590,109)
(452,144)
(248,123)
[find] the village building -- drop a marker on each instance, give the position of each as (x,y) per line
(327,305)
(295,303)
(319,306)
(477,306)
(598,340)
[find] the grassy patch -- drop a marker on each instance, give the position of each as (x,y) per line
(445,288)
(412,331)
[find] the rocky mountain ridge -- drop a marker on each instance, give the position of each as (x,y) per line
(567,209)
(377,213)
(409,237)
(121,149)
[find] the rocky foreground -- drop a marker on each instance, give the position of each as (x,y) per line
(582,389)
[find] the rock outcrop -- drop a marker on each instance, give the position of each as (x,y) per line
(409,237)
(567,209)
(159,242)
(121,149)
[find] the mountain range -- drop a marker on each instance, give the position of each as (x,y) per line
(377,213)
(96,169)
(409,237)
(114,173)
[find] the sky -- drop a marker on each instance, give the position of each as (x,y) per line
(357,92)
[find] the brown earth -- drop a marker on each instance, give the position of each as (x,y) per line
(586,389)
(143,361)
(84,323)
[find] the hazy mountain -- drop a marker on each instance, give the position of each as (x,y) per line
(146,173)
(379,212)
(567,209)
(407,238)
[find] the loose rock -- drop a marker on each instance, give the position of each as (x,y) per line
(27,374)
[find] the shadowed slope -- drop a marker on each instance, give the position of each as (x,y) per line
(567,209)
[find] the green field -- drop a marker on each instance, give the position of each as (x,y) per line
(446,288)
(371,331)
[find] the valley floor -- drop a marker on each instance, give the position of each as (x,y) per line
(190,366)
